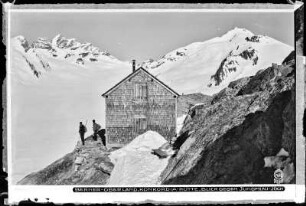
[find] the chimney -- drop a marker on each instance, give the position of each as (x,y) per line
(134,65)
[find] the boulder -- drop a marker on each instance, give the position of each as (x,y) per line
(105,167)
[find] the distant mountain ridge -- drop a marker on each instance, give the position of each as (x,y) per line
(206,67)
(209,66)
(37,54)
(60,45)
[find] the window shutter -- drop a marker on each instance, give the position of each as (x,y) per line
(141,91)
(140,124)
(143,124)
(144,90)
(136,125)
(136,90)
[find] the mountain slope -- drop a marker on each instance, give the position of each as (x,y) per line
(209,66)
(246,133)
(85,165)
(47,107)
(37,58)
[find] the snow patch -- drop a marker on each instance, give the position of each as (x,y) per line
(135,164)
(283,152)
(276,161)
(179,123)
(273,161)
(282,161)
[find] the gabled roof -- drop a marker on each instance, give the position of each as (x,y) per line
(135,73)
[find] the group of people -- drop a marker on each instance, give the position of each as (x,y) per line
(95,127)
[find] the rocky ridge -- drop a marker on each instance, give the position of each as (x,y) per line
(85,165)
(231,62)
(215,62)
(246,133)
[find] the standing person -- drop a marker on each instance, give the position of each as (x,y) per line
(95,127)
(102,135)
(82,131)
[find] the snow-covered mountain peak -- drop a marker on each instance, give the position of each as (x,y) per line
(44,55)
(64,48)
(42,43)
(59,41)
(56,40)
(20,38)
(20,43)
(205,67)
(211,65)
(237,34)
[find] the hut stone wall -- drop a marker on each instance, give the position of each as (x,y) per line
(128,116)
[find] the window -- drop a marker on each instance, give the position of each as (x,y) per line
(141,91)
(140,124)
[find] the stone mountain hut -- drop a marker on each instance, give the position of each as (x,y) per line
(138,103)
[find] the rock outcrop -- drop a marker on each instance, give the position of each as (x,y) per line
(86,165)
(231,64)
(232,141)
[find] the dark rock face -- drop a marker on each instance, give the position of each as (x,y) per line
(248,54)
(227,142)
(93,59)
(24,43)
(87,165)
(80,61)
(230,65)
(42,44)
(220,74)
(289,134)
(254,38)
(290,59)
(230,91)
(32,67)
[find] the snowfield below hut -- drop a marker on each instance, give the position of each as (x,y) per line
(135,164)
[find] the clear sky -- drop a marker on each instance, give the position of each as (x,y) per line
(147,35)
